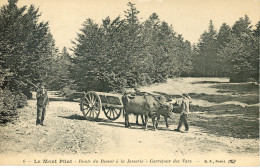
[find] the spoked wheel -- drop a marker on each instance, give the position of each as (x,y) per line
(91,105)
(112,113)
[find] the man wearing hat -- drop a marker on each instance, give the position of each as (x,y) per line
(42,101)
(184,111)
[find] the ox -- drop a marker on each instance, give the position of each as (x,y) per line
(146,105)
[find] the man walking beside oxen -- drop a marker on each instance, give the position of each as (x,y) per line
(184,111)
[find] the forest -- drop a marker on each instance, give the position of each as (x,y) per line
(116,54)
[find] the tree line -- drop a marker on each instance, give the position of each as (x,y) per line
(126,52)
(118,53)
(232,52)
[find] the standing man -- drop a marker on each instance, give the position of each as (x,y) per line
(184,111)
(42,101)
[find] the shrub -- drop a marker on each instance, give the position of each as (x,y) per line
(7,106)
(20,100)
(9,103)
(67,92)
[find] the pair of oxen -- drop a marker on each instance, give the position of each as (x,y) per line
(148,106)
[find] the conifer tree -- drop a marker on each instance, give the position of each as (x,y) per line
(241,52)
(26,44)
(205,62)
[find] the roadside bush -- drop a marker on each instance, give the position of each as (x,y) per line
(9,99)
(8,105)
(145,79)
(160,79)
(67,92)
(20,100)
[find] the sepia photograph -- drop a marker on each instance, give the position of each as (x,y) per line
(129,83)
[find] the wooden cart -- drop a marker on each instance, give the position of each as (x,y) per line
(92,103)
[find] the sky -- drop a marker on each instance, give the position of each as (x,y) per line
(188,17)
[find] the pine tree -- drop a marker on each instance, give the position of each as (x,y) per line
(256,34)
(87,61)
(241,52)
(242,26)
(132,43)
(26,44)
(223,38)
(58,74)
(205,62)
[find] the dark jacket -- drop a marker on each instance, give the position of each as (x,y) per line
(42,98)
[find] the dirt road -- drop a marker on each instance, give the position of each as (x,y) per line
(68,133)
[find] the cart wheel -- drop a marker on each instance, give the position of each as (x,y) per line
(112,113)
(91,105)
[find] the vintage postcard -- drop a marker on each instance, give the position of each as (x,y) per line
(129,82)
